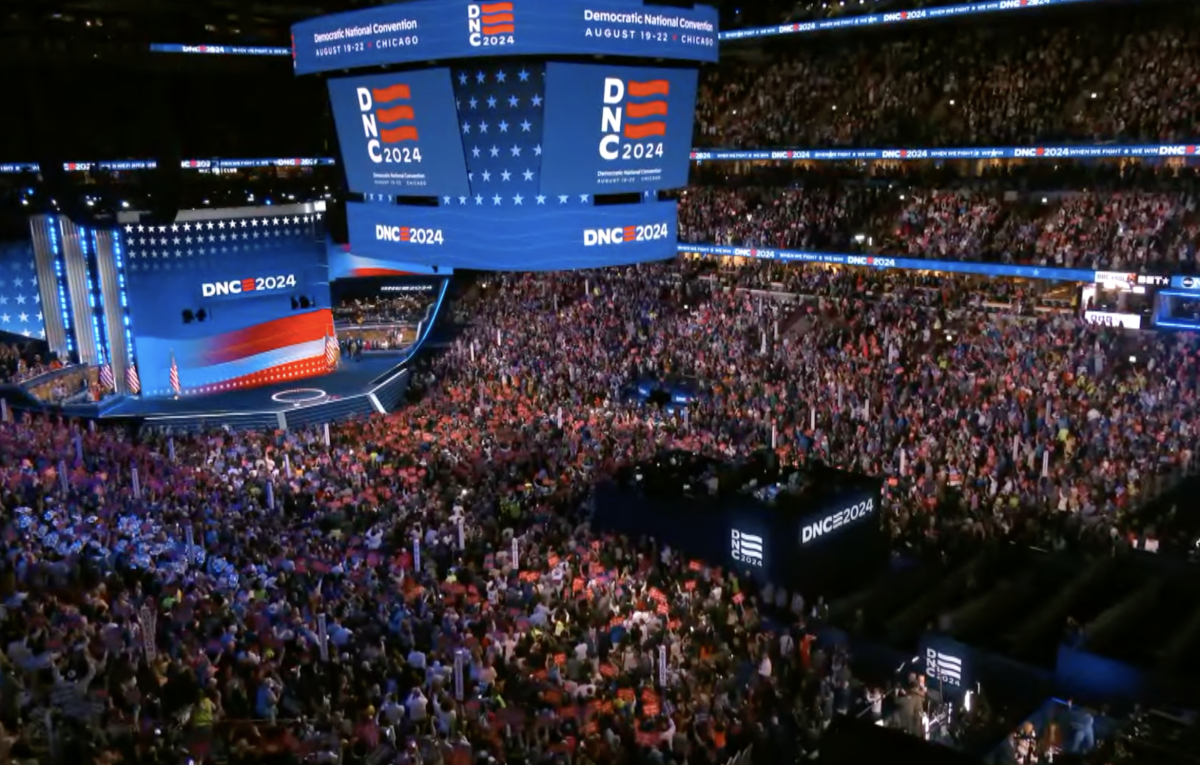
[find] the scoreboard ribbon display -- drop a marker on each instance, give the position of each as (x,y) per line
(616,129)
(412,32)
(399,133)
(534,237)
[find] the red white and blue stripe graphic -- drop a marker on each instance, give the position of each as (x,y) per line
(106,377)
(652,102)
(131,379)
(396,114)
(174,375)
(497,19)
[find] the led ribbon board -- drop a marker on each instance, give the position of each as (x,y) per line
(417,32)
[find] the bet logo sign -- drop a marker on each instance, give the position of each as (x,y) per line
(634,118)
(388,124)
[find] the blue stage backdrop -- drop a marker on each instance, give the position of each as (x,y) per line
(262,285)
(20,299)
(534,233)
(398,133)
(614,129)
(416,32)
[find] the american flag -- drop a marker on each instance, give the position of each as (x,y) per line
(20,299)
(106,377)
(192,246)
(131,379)
(174,375)
(332,351)
(500,117)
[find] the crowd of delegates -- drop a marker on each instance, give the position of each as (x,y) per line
(147,641)
(407,307)
(20,361)
(1131,230)
(1130,76)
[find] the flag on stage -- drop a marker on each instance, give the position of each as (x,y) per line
(331,350)
(106,377)
(131,379)
(174,374)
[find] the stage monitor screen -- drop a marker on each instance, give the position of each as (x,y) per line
(399,134)
(615,129)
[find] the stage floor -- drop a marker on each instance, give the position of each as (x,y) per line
(355,378)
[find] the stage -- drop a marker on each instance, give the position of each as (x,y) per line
(375,384)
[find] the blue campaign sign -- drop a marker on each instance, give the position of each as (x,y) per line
(614,129)
(416,32)
(1100,151)
(536,234)
(896,17)
(399,133)
(907,264)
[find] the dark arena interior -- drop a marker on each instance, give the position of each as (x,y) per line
(619,382)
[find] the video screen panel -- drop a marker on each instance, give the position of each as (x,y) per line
(235,302)
(399,134)
(615,129)
(538,235)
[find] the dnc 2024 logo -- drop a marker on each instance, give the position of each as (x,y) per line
(491,24)
(389,124)
(633,122)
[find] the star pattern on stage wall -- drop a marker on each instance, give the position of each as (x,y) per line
(501,113)
(20,298)
(186,246)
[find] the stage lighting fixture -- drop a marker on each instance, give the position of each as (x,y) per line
(188,316)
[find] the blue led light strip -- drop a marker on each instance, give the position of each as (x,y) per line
(118,242)
(61,277)
(892,18)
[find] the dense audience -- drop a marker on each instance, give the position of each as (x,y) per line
(1127,230)
(1125,77)
(148,644)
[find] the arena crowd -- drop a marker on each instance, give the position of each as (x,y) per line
(129,640)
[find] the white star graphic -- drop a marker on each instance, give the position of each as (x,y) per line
(466,127)
(486,176)
(491,102)
(462,200)
(24,318)
(210,225)
(141,229)
(523,75)
(537,150)
(475,151)
(513,101)
(254,222)
(516,151)
(473,103)
(4,318)
(483,127)
(505,175)
(176,240)
(536,100)
(562,199)
(480,78)
(39,316)
(583,197)
(496,200)
(20,300)
(541,199)
(518,199)
(446,199)
(462,78)
(503,126)
(478,199)
(501,76)
(525,126)
(494,151)
(220,224)
(129,229)
(174,226)
(528,174)
(19,282)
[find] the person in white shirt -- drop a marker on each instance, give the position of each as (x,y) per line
(787,646)
(417,706)
(416,659)
(764,667)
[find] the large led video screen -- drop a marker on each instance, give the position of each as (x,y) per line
(235,302)
(399,133)
(20,297)
(616,129)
